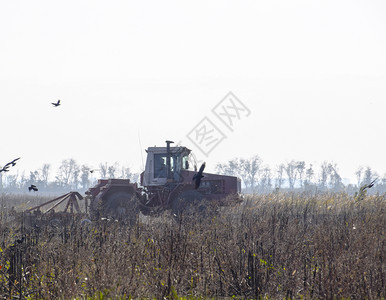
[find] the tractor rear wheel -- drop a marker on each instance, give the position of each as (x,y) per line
(121,206)
(186,202)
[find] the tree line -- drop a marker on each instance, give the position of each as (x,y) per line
(257,177)
(70,175)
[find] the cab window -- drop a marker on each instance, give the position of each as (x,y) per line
(160,170)
(160,166)
(185,162)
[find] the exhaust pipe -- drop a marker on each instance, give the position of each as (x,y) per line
(169,167)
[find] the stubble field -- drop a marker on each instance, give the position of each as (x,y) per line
(275,246)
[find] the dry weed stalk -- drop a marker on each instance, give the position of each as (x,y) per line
(276,245)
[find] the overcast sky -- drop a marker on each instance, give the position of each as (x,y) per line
(309,79)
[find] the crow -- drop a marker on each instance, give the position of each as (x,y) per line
(13,163)
(372,183)
(197,177)
(362,191)
(56,104)
(33,188)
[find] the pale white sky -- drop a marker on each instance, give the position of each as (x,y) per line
(312,74)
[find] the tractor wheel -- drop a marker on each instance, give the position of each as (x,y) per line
(186,202)
(121,206)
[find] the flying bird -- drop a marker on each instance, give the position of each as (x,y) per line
(13,163)
(362,191)
(197,177)
(56,104)
(33,188)
(372,183)
(7,165)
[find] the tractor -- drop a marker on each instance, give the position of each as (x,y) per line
(169,182)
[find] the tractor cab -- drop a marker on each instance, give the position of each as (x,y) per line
(164,164)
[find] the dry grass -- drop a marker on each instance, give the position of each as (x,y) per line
(276,246)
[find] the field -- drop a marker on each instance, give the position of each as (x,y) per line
(276,246)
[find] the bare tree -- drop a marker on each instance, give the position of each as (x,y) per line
(75,178)
(126,173)
(300,167)
(228,168)
(103,168)
(335,181)
(266,180)
(291,170)
(84,176)
(309,176)
(113,170)
(246,169)
(324,175)
(45,170)
(66,172)
(358,174)
(279,178)
(34,177)
(369,175)
(250,169)
(233,168)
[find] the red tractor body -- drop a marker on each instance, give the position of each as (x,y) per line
(165,184)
